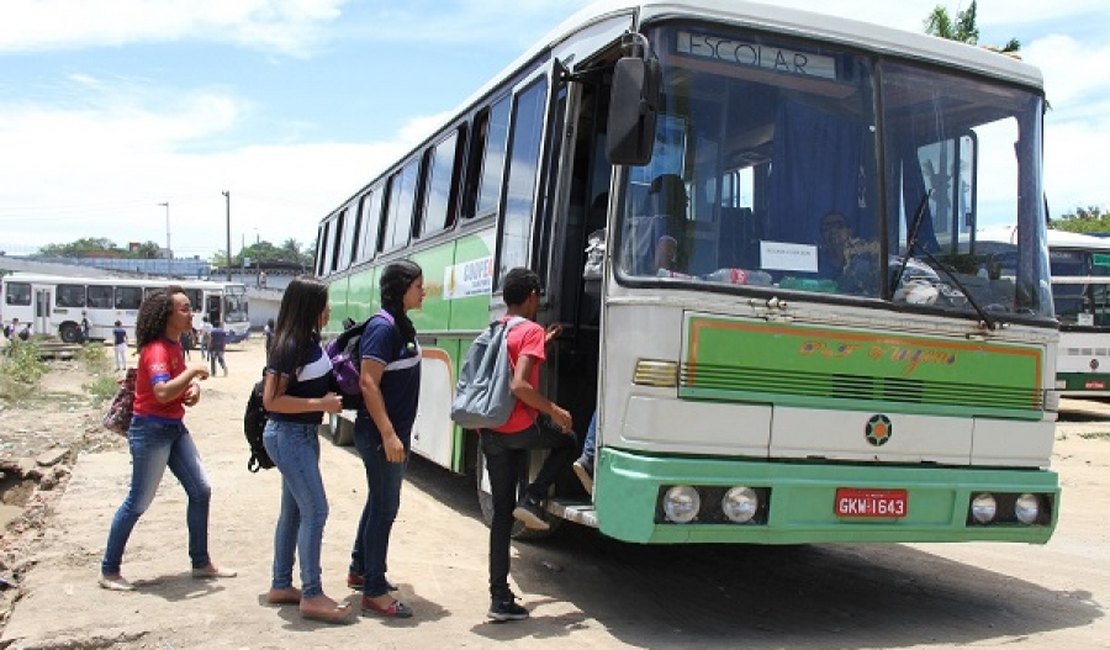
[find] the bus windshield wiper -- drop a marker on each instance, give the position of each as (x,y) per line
(987,320)
(911,241)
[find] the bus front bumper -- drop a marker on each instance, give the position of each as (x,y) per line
(817,502)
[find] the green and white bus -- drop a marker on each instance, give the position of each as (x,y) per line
(820,356)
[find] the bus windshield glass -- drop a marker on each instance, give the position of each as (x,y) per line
(774,167)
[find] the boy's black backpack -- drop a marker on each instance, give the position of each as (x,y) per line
(254,422)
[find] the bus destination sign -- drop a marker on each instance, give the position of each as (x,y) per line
(755,55)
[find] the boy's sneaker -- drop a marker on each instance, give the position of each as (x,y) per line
(585,471)
(529,511)
(506,609)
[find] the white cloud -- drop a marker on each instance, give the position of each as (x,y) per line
(290,26)
(100,171)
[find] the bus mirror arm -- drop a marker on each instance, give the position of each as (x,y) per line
(633,104)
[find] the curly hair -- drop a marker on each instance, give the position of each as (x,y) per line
(154,315)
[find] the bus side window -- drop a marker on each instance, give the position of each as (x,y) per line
(371,224)
(520,186)
(440,184)
(486,160)
(128,297)
(100,297)
(70,295)
(18,294)
(399,206)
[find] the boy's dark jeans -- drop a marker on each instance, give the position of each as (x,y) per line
(506,460)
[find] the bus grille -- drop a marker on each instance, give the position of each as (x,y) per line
(768,382)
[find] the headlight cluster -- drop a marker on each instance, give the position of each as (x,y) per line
(988,509)
(682,504)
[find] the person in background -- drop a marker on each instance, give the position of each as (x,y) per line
(217,342)
(835,235)
(84,327)
(187,343)
(158,438)
(205,336)
(534,423)
(389,376)
(119,345)
(295,396)
(268,332)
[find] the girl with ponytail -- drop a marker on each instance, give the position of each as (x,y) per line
(389,377)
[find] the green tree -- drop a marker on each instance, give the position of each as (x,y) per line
(963,29)
(101,247)
(1090,219)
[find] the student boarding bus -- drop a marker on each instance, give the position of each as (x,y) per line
(780,320)
(55,304)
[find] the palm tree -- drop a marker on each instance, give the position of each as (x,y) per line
(964,29)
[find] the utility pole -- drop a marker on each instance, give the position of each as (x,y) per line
(169,251)
(227,201)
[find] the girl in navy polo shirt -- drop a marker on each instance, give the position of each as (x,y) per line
(296,395)
(389,376)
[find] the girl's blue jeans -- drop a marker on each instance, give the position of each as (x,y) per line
(383,499)
(295,449)
(155,444)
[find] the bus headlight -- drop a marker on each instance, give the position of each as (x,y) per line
(984,507)
(1027,508)
(740,504)
(681,504)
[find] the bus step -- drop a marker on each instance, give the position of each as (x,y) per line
(580,512)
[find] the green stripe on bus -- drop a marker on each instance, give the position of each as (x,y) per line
(808,365)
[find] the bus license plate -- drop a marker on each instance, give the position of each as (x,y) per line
(888,504)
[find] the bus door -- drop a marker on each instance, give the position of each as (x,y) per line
(43,300)
(580,176)
(214,308)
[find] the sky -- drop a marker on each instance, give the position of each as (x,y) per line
(111,108)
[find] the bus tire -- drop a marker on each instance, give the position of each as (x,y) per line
(70,332)
(485,502)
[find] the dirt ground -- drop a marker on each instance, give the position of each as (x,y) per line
(581,588)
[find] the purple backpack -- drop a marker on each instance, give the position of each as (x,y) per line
(343,353)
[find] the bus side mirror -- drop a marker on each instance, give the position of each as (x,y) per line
(633,105)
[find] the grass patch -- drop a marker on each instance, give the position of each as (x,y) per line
(101,388)
(21,369)
(94,358)
(1095,435)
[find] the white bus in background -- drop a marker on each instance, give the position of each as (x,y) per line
(55,304)
(1081,294)
(1080,268)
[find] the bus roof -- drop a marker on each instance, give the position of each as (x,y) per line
(800,23)
(123,282)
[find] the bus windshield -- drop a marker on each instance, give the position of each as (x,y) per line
(770,170)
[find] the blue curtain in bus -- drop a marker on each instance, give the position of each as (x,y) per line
(913,191)
(817,167)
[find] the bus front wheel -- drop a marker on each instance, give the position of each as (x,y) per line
(485,502)
(70,333)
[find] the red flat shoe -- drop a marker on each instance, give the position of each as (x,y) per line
(396,609)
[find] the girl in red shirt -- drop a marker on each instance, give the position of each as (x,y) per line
(158,438)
